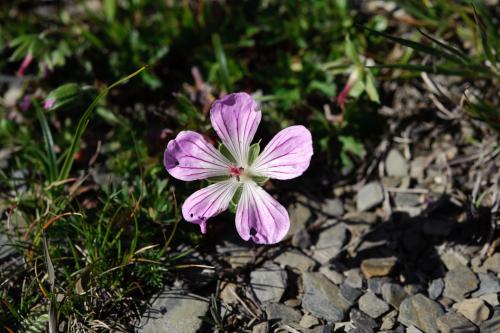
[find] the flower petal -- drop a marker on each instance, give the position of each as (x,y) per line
(287,155)
(260,217)
(190,157)
(235,118)
(209,201)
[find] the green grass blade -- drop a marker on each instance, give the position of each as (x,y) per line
(49,143)
(436,70)
(445,46)
(84,121)
(220,55)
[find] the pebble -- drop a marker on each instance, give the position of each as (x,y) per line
(372,305)
(299,216)
(488,284)
(237,253)
(412,329)
(395,164)
(459,282)
(295,259)
(378,266)
(308,321)
(261,327)
(393,294)
(452,260)
(283,313)
(474,309)
(369,196)
(227,293)
(492,263)
(350,294)
(322,298)
(375,284)
(174,312)
(333,207)
(406,199)
(455,323)
(491,325)
(421,312)
(332,275)
(362,322)
(491,299)
(354,278)
(436,288)
(301,239)
(330,243)
(389,320)
(268,283)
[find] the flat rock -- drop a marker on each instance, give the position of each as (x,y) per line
(488,284)
(393,294)
(301,239)
(373,306)
(378,266)
(227,292)
(436,288)
(491,299)
(235,252)
(369,196)
(354,278)
(174,312)
(350,294)
(492,264)
(362,322)
(283,313)
(330,243)
(474,309)
(268,283)
(308,321)
(332,275)
(453,260)
(459,282)
(299,216)
(261,327)
(455,323)
(406,199)
(389,320)
(375,284)
(322,298)
(333,207)
(421,312)
(491,325)
(295,259)
(395,164)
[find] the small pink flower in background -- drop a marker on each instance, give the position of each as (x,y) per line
(235,118)
(49,103)
(25,64)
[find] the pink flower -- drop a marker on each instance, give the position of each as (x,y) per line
(49,103)
(235,118)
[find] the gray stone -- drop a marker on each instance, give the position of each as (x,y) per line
(389,320)
(491,299)
(332,275)
(491,325)
(235,252)
(174,312)
(333,207)
(378,266)
(283,313)
(375,284)
(436,288)
(330,243)
(492,263)
(268,283)
(474,309)
(488,284)
(455,323)
(322,298)
(299,216)
(362,322)
(421,312)
(453,259)
(412,329)
(406,199)
(228,292)
(369,196)
(308,321)
(372,305)
(459,282)
(261,327)
(350,294)
(295,259)
(393,294)
(301,239)
(354,278)
(395,164)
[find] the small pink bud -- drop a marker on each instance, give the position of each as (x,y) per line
(49,103)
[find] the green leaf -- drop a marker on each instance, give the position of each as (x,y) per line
(220,55)
(110,9)
(69,95)
(253,153)
(370,87)
(227,154)
(49,143)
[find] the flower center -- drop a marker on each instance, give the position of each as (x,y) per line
(236,171)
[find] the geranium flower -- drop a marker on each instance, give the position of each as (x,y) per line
(237,170)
